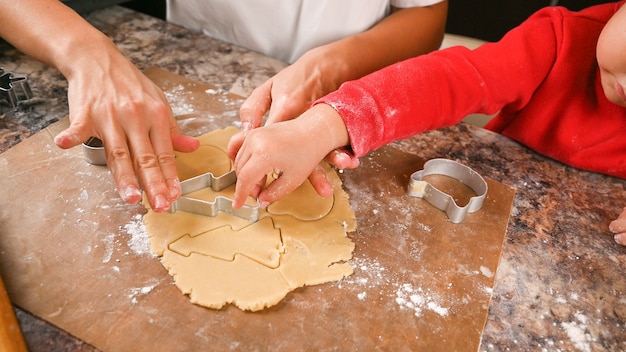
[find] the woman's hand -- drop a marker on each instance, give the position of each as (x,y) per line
(112,100)
(109,98)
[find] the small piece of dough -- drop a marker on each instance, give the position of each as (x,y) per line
(300,240)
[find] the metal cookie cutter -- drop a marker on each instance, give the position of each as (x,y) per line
(443,201)
(93,150)
(221,203)
(13,90)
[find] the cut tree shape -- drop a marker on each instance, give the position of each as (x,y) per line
(260,242)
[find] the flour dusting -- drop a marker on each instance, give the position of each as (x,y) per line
(371,274)
(108,249)
(417,299)
(577,332)
(176,98)
(139,291)
(139,241)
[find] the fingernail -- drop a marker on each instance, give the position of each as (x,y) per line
(247,126)
(161,203)
(65,139)
(131,194)
(264,204)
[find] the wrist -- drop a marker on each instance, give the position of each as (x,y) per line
(92,48)
(328,126)
(332,65)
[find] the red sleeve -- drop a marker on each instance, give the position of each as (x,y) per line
(441,88)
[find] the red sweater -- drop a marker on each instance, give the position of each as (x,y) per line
(542,78)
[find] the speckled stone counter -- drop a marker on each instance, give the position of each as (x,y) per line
(561,278)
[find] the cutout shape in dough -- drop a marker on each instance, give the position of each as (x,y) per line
(300,240)
(262,246)
(315,209)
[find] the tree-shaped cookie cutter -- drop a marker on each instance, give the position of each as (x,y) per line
(13,91)
(221,203)
(441,200)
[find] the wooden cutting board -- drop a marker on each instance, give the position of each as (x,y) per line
(75,255)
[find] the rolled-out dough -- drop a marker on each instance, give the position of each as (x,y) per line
(299,240)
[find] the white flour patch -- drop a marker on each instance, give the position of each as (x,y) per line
(108,248)
(435,307)
(139,291)
(370,274)
(486,271)
(417,299)
(139,241)
(576,331)
(177,100)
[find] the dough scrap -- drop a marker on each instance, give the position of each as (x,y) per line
(299,240)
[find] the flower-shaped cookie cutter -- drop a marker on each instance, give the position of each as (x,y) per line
(441,200)
(221,203)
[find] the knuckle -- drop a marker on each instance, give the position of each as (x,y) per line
(146,161)
(157,110)
(167,159)
(119,154)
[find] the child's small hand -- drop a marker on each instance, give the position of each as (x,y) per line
(291,150)
(618,227)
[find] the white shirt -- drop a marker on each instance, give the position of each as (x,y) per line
(284,29)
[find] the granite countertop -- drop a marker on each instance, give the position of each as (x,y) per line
(561,278)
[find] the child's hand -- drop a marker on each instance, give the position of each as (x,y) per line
(618,227)
(291,150)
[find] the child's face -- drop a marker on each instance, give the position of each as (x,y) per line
(611,55)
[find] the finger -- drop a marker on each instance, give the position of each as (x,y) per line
(619,225)
(234,145)
(120,163)
(72,136)
(185,144)
(249,183)
(164,151)
(255,106)
(146,166)
(249,174)
(258,187)
(620,238)
(342,159)
(320,182)
(277,189)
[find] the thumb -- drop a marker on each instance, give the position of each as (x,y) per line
(72,136)
(235,143)
(277,189)
(320,182)
(185,144)
(255,106)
